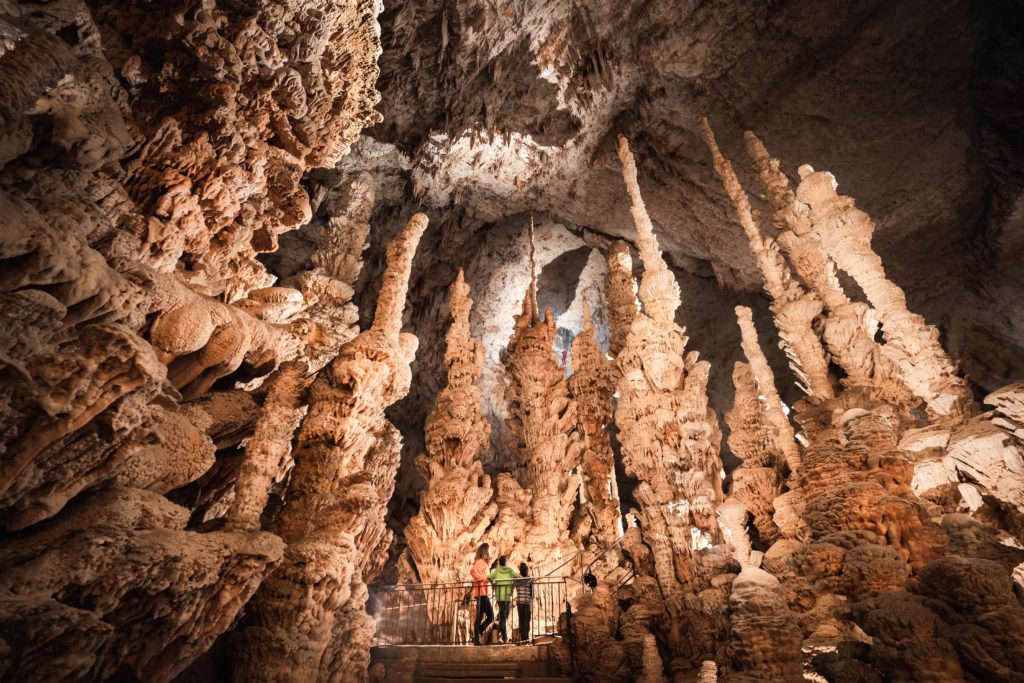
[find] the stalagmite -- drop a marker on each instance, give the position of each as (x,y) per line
(765,380)
(457,505)
(269,448)
(849,327)
(765,643)
(542,418)
(793,308)
(620,294)
(752,439)
(669,436)
(846,232)
(592,384)
(313,603)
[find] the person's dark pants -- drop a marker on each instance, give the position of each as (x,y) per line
(524,622)
(503,609)
(483,607)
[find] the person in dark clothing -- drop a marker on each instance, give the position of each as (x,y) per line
(524,601)
(484,612)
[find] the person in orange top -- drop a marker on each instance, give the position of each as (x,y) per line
(483,602)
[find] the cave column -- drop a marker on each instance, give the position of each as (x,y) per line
(308,620)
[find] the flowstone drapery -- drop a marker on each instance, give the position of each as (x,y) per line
(457,505)
(307,620)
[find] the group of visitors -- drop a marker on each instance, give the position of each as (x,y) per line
(505,581)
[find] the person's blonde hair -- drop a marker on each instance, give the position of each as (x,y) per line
(483,552)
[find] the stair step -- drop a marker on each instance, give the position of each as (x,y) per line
(530,679)
(464,670)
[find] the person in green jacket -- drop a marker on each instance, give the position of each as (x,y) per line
(503,577)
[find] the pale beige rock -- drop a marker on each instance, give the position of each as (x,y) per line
(846,232)
(333,522)
(268,452)
(592,384)
(620,294)
(548,447)
(457,505)
(785,437)
(849,328)
(668,434)
(793,308)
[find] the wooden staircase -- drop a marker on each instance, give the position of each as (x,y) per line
(468,664)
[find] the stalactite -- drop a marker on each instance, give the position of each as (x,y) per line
(620,294)
(269,450)
(317,593)
(592,384)
(669,437)
(542,418)
(457,506)
(793,308)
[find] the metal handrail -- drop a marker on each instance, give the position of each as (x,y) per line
(444,614)
(600,553)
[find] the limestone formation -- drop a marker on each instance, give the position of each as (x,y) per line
(333,520)
(793,309)
(116,583)
(543,422)
(268,452)
(758,481)
(765,643)
(775,409)
(845,231)
(148,153)
(592,384)
(849,328)
(456,507)
(620,294)
(669,436)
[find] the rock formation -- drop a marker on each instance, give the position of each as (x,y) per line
(620,294)
(456,507)
(307,620)
(870,551)
(846,234)
(548,448)
(195,206)
(793,308)
(668,434)
(268,453)
(758,480)
(592,384)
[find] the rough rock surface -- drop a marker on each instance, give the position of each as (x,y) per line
(196,207)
